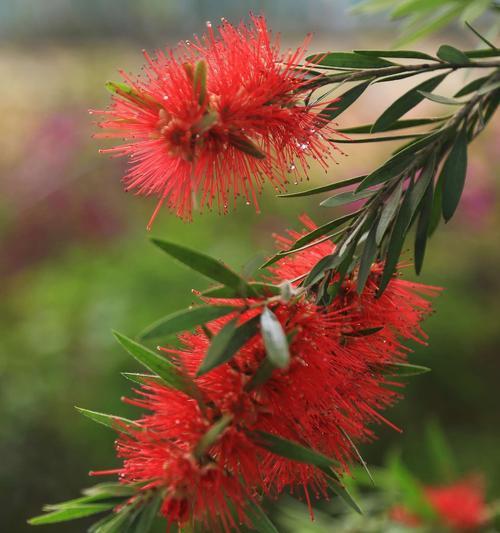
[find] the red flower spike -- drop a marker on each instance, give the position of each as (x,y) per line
(335,386)
(216,120)
(460,506)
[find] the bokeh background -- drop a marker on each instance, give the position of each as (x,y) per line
(76,262)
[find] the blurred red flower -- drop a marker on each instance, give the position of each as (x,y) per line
(216,120)
(460,506)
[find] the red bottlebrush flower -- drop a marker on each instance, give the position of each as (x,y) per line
(216,119)
(329,394)
(460,506)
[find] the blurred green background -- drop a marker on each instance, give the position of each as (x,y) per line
(76,261)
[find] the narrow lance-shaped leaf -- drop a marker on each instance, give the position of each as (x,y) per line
(185,320)
(148,514)
(438,98)
(389,210)
(453,175)
(422,183)
(422,231)
(334,109)
(398,125)
(241,335)
(117,423)
(348,60)
(406,102)
(325,188)
(275,340)
(72,513)
(291,450)
(472,86)
(405,369)
(141,379)
(218,347)
(222,291)
(396,242)
(206,265)
(212,435)
(401,160)
(161,366)
(346,198)
(367,258)
(258,518)
(403,54)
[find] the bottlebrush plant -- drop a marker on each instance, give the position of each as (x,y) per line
(275,381)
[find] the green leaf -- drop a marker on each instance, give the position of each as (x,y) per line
(422,183)
(360,457)
(263,373)
(275,340)
(321,230)
(346,198)
(336,486)
(441,99)
(422,231)
(436,208)
(325,188)
(260,288)
(401,160)
(472,86)
(348,60)
(327,262)
(405,103)
(396,242)
(117,423)
(185,320)
(452,55)
(478,54)
(334,109)
(291,450)
(363,332)
(453,175)
(388,212)
(482,37)
(398,125)
(148,514)
(159,365)
(141,379)
(405,369)
(110,489)
(117,523)
(218,347)
(240,337)
(367,259)
(403,54)
(389,138)
(246,145)
(280,255)
(206,265)
(258,518)
(71,513)
(212,435)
